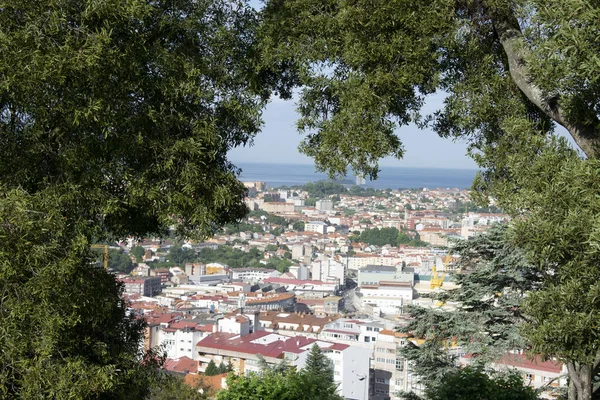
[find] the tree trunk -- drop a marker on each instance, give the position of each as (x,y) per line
(509,32)
(580,381)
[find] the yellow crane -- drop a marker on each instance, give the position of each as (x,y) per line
(437,281)
(105,247)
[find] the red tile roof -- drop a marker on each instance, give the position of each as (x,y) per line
(273,348)
(522,361)
(183,365)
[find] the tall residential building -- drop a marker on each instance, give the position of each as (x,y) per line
(329,270)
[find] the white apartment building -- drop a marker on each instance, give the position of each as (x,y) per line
(299,271)
(391,374)
(345,330)
(254,274)
(362,260)
(316,226)
(328,270)
(386,297)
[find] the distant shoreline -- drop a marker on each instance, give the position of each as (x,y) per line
(277,175)
(239,164)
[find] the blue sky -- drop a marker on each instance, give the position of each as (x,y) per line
(279,140)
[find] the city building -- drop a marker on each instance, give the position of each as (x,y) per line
(387,297)
(373,274)
(299,271)
(163,273)
(391,374)
(324,205)
(253,274)
(316,226)
(144,286)
(350,363)
(329,270)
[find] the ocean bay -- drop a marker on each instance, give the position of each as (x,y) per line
(276,175)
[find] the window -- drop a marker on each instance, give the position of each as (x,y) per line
(380,380)
(367,339)
(529,377)
(399,364)
(369,328)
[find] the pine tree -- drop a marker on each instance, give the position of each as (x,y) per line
(494,280)
(211,369)
(318,375)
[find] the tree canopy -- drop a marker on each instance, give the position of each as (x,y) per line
(391,236)
(511,72)
(475,383)
(115,120)
(314,381)
(367,67)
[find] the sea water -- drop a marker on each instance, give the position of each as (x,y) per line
(276,175)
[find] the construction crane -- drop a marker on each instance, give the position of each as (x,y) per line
(105,247)
(437,281)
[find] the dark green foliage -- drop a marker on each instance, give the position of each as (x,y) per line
(494,279)
(319,371)
(64,329)
(138,252)
(366,192)
(133,104)
(115,120)
(276,219)
(391,236)
(323,189)
(236,258)
(379,237)
(475,384)
(268,386)
(211,369)
(558,192)
(310,202)
(180,255)
(413,241)
(119,261)
(298,226)
(271,198)
(172,387)
(348,212)
(281,382)
(277,231)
